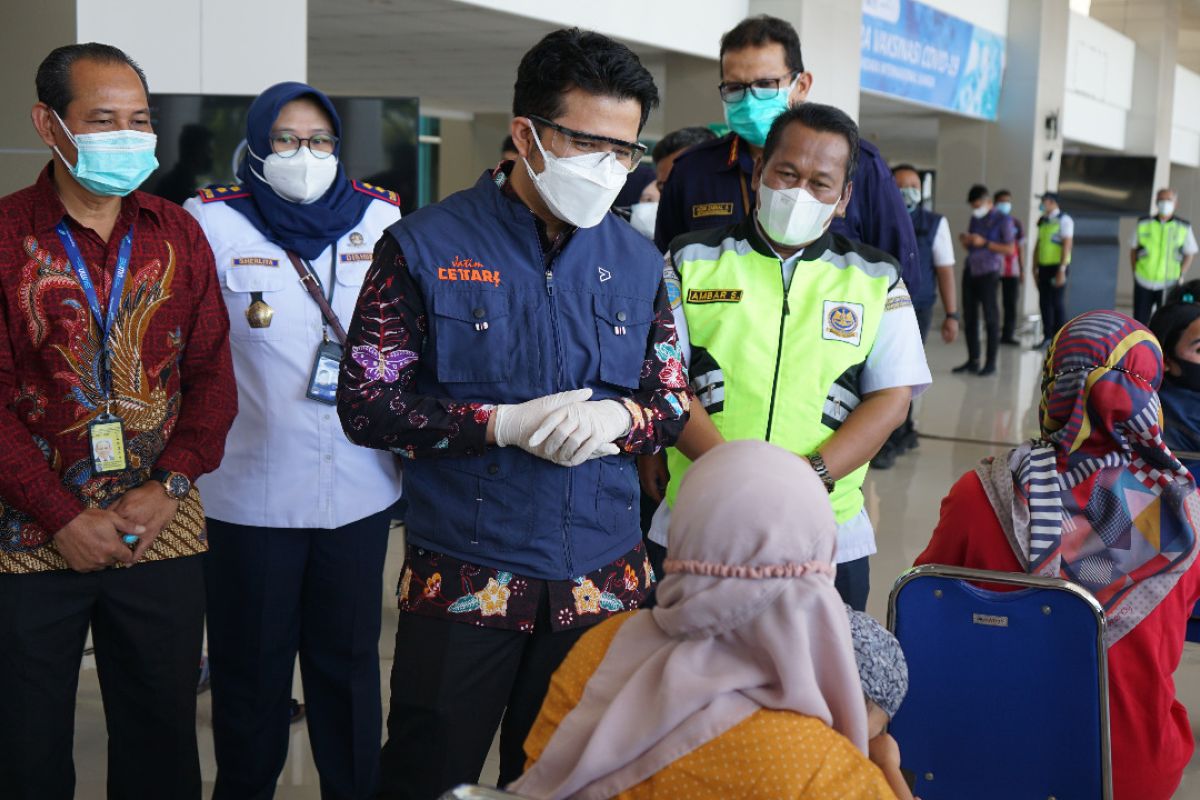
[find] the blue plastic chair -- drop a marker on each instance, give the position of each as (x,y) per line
(1008,690)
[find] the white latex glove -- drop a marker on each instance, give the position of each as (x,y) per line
(516,423)
(574,433)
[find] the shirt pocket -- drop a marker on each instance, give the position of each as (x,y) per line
(240,284)
(622,330)
(473,337)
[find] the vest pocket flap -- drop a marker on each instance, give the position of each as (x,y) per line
(476,306)
(623,311)
(255,279)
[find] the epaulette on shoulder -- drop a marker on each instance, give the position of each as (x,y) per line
(215,194)
(378,192)
(1183,221)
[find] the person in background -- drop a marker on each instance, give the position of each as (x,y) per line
(762,75)
(515,343)
(671,146)
(795,334)
(741,682)
(1176,325)
(194,165)
(1100,500)
(508,150)
(298,516)
(119,391)
(991,236)
(1056,240)
(1161,252)
(1012,275)
(936,249)
(883,672)
(638,200)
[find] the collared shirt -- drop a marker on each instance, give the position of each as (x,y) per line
(287,462)
(996,228)
(709,187)
(172,377)
(394,416)
(1012,266)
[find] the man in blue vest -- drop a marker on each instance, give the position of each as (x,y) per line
(516,342)
(936,249)
(762,74)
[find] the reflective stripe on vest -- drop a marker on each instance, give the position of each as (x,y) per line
(1160,249)
(788,369)
(1050,249)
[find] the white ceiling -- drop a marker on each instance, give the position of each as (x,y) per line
(453,56)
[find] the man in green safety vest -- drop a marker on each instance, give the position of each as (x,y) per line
(1161,250)
(793,334)
(1052,254)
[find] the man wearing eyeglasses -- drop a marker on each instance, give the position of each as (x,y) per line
(762,74)
(516,342)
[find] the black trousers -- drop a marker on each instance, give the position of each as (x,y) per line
(1147,301)
(1010,290)
(453,685)
(276,592)
(897,437)
(853,582)
(1052,301)
(980,291)
(147,627)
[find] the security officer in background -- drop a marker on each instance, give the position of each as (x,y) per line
(515,341)
(762,74)
(1052,254)
(795,334)
(1161,252)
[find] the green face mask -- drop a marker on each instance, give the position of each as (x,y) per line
(751,118)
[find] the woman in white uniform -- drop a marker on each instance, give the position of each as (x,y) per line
(298,516)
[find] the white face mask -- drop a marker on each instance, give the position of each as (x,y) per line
(302,178)
(792,217)
(980,213)
(579,189)
(642,216)
(1166,207)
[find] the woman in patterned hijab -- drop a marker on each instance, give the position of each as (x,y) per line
(1099,500)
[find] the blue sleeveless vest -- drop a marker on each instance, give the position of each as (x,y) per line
(925,225)
(504,329)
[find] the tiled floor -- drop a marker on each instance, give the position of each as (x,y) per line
(903,502)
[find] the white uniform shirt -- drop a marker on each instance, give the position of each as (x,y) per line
(287,462)
(897,358)
(943,245)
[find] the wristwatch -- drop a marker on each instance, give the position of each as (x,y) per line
(176,484)
(954,316)
(818,465)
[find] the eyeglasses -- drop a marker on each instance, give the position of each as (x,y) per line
(286,145)
(566,142)
(762,89)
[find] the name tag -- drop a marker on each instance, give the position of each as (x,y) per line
(348,257)
(701,296)
(256,262)
(712,210)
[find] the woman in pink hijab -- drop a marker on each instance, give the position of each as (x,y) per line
(742,681)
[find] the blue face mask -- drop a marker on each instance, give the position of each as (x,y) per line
(111,163)
(751,118)
(1004,207)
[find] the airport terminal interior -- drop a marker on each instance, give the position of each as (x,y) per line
(1098,102)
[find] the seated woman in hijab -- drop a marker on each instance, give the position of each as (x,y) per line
(1101,501)
(742,681)
(1177,327)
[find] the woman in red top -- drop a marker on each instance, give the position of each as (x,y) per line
(1101,501)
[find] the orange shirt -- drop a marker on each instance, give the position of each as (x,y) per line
(771,754)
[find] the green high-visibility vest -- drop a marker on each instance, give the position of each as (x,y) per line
(775,367)
(1160,249)
(1050,248)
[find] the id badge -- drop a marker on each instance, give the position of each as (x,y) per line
(106,435)
(323,381)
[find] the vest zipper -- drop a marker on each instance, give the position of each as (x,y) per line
(778,351)
(558,384)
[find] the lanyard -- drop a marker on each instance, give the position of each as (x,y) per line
(104,322)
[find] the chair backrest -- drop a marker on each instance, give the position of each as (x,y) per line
(1008,690)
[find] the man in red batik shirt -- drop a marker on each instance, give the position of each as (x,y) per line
(118,391)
